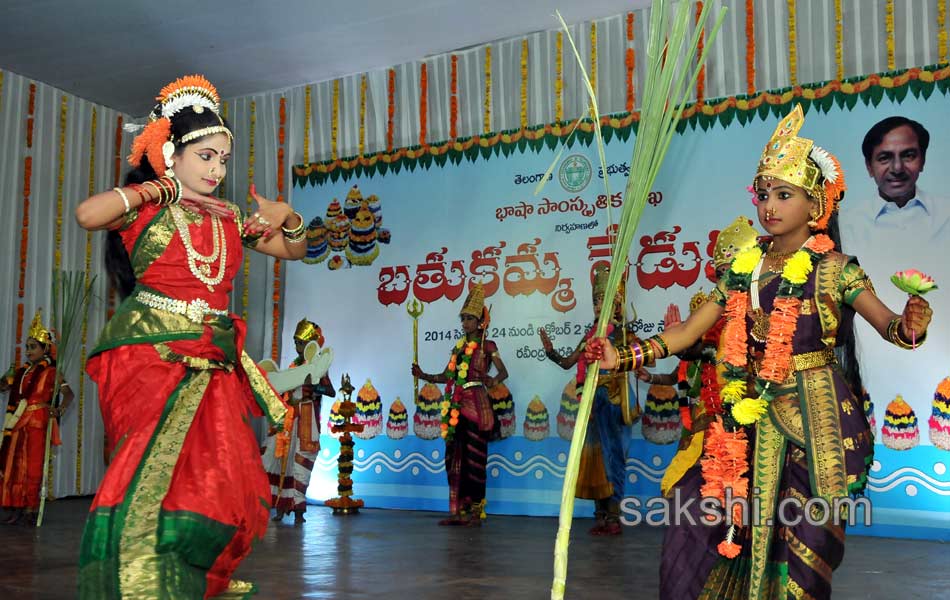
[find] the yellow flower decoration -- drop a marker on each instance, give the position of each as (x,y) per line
(459,344)
(749,410)
(733,391)
(445,411)
(745,262)
(797,268)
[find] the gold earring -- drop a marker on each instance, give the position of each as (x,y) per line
(168,150)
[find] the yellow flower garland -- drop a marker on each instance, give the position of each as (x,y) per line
(60,177)
(524,83)
(792,42)
(889,29)
(746,261)
(307,114)
(486,124)
(839,42)
(797,268)
(558,78)
(335,120)
(362,142)
(941,31)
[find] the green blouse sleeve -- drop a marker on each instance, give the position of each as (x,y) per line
(854,281)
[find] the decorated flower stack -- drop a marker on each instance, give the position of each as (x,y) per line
(427,421)
(567,413)
(940,418)
(397,423)
(369,412)
(900,430)
(345,503)
(536,425)
(661,415)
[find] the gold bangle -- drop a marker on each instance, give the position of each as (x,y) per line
(297,231)
(125,199)
(159,197)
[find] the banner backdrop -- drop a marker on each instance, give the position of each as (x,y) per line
(428,230)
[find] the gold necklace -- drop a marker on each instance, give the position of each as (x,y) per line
(769,253)
(200,264)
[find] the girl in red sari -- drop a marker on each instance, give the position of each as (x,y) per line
(29,410)
(185,493)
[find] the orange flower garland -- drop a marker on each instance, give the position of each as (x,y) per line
(486,123)
(453,98)
(524,84)
(630,63)
(84,332)
(307,116)
(593,58)
(335,119)
(362,131)
(250,181)
(701,80)
(558,78)
(423,103)
(735,331)
(942,31)
(839,42)
(275,319)
(458,373)
(60,177)
(749,47)
(889,29)
(792,42)
(391,110)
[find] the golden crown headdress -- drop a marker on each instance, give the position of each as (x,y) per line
(800,162)
(475,302)
(38,331)
(735,238)
(307,331)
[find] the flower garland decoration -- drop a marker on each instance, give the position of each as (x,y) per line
(25,223)
(335,120)
(701,80)
(275,296)
(839,42)
(307,115)
(524,84)
(423,103)
(391,110)
(942,31)
(749,47)
(889,29)
(84,331)
(454,98)
(486,123)
(792,42)
(559,77)
(783,321)
(250,182)
(458,368)
(592,75)
(60,177)
(362,142)
(629,62)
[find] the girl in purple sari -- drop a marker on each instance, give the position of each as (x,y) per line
(793,441)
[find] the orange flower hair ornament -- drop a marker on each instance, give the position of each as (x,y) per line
(190,91)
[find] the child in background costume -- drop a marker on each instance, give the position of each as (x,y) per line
(185,493)
(467,417)
(603,459)
(792,425)
(699,371)
(29,409)
(289,455)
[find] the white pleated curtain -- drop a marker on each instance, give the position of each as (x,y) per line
(78,465)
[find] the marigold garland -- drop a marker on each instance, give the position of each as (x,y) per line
(250,182)
(839,42)
(19,334)
(453,98)
(592,74)
(792,42)
(458,368)
(307,115)
(391,110)
(60,178)
(559,77)
(629,63)
(362,130)
(275,319)
(335,119)
(749,47)
(524,84)
(486,123)
(423,103)
(724,465)
(84,331)
(889,29)
(701,80)
(942,31)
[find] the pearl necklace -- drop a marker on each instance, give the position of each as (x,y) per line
(200,264)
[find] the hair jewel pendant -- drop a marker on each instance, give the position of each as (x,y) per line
(168,150)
